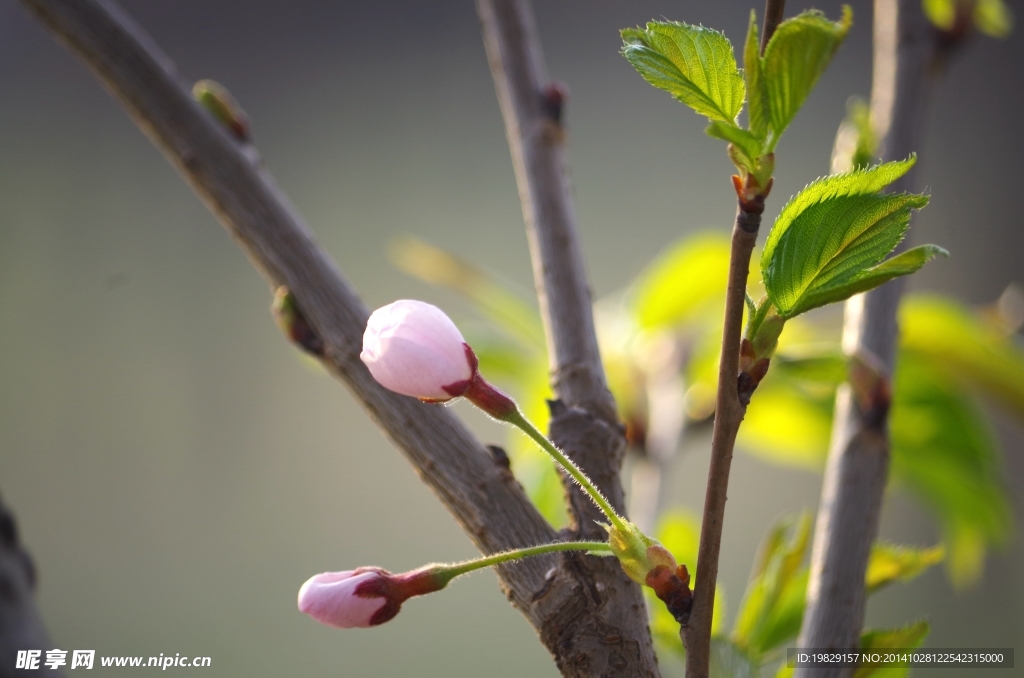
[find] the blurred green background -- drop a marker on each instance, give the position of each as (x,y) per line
(178,470)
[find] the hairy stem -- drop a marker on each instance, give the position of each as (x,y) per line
(568,465)
(452,571)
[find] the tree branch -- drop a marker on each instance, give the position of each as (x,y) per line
(561,603)
(584,421)
(847,524)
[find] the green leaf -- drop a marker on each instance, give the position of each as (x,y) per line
(890,562)
(902,264)
(757,626)
(746,142)
(945,453)
(694,64)
(753,73)
(831,234)
(682,281)
(795,58)
(908,637)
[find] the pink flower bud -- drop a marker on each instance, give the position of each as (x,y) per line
(332,598)
(413,348)
(366,596)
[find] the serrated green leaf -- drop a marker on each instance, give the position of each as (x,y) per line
(944,451)
(831,233)
(856,182)
(908,637)
(902,264)
(891,562)
(795,58)
(682,281)
(757,95)
(694,64)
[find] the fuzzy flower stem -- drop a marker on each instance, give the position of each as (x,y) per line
(518,420)
(449,572)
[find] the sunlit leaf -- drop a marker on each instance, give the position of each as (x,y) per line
(796,56)
(890,563)
(681,281)
(830,239)
(694,64)
(906,638)
(787,426)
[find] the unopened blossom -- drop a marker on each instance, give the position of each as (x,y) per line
(363,597)
(413,348)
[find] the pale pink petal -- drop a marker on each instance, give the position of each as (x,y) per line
(330,599)
(413,348)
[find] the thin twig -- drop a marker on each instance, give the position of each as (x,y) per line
(482,495)
(855,476)
(729,412)
(584,421)
(773,13)
(730,408)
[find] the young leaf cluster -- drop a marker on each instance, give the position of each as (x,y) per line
(698,67)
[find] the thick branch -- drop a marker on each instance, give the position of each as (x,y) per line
(21,627)
(584,421)
(855,476)
(482,495)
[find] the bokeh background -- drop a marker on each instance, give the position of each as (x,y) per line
(178,470)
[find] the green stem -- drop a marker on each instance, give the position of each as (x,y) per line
(449,572)
(517,419)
